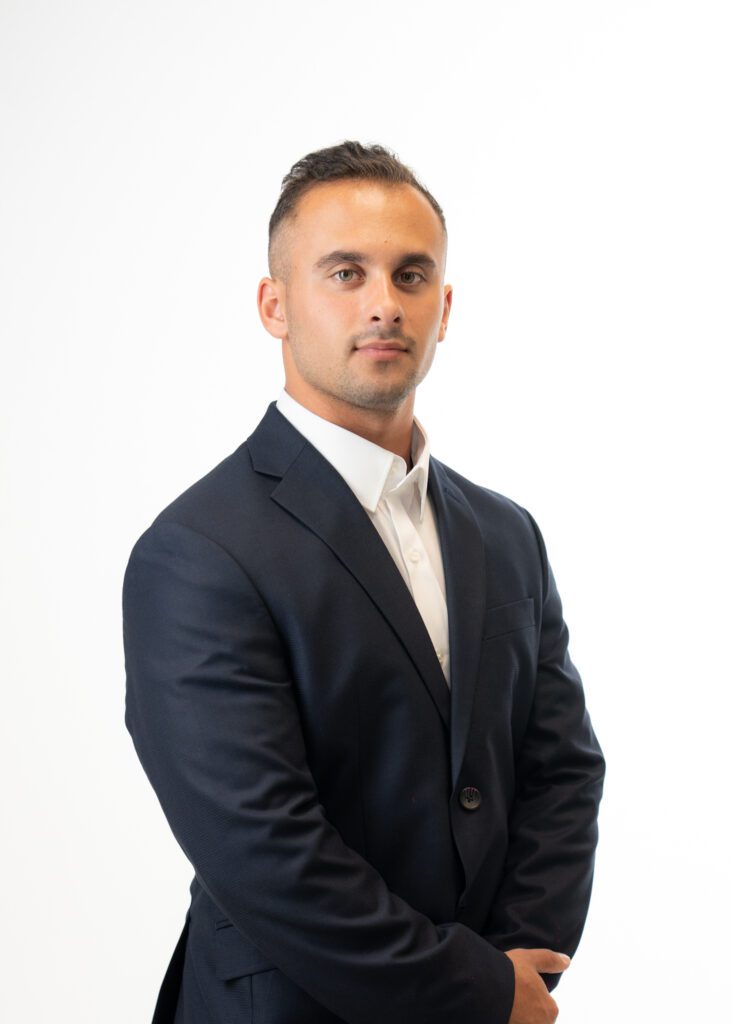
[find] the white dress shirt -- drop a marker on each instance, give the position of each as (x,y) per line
(397,503)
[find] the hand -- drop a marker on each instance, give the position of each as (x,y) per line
(532,1003)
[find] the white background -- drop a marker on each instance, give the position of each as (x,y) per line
(581,152)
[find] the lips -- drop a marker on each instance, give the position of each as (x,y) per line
(384,346)
(382,352)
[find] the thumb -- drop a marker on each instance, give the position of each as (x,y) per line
(549,962)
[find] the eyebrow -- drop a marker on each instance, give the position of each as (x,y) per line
(423,259)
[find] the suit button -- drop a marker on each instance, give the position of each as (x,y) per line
(470,798)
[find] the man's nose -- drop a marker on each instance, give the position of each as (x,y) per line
(383,301)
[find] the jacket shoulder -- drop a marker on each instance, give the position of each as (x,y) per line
(483,500)
(225,498)
(235,493)
(224,484)
(501,520)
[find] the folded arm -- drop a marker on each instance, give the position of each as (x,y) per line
(213,715)
(545,893)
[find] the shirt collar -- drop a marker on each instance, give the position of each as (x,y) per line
(370,471)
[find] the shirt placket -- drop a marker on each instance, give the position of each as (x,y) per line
(422,579)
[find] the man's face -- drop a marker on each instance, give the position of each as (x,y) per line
(363,303)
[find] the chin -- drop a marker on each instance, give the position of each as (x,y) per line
(384,399)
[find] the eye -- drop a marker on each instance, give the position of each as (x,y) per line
(346,270)
(414,275)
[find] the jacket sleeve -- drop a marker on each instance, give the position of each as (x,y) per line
(544,895)
(213,715)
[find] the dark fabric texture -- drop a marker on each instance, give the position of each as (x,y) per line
(290,712)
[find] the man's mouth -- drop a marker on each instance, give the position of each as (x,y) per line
(384,344)
(382,350)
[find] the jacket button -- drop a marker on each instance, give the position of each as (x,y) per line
(470,798)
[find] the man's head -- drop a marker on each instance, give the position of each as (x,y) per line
(349,161)
(356,257)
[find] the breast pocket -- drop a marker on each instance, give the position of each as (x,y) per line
(508,618)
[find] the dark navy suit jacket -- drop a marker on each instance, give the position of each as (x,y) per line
(366,841)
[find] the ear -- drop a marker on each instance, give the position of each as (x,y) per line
(270,302)
(446,306)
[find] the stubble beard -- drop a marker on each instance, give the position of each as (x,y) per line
(384,396)
(342,384)
(380,394)
(373,395)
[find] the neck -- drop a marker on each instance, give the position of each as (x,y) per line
(390,429)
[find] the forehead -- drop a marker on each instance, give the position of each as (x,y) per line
(365,215)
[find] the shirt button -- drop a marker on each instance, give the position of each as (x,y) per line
(414,555)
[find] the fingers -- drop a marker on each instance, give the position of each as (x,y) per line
(546,961)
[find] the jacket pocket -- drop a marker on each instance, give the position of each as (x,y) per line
(235,956)
(507,618)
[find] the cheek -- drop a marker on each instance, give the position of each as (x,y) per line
(320,330)
(427,326)
(324,314)
(428,313)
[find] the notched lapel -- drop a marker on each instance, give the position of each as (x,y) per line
(316,494)
(463,556)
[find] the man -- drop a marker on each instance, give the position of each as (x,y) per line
(347,668)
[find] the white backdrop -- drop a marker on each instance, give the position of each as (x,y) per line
(581,152)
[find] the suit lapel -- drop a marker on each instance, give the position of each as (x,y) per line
(317,495)
(463,555)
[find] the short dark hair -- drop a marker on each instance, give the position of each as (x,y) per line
(348,160)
